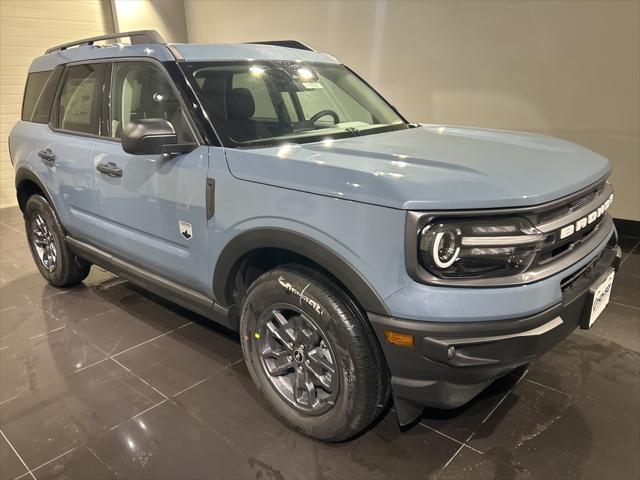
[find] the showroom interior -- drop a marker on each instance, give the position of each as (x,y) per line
(106,379)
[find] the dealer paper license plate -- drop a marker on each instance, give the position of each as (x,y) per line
(600,297)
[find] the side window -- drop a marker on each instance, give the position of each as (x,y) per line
(81,99)
(141,90)
(260,93)
(35,85)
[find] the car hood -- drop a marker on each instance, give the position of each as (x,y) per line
(429,167)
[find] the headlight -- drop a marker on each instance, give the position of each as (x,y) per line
(475,248)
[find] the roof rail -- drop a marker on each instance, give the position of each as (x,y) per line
(285,43)
(138,37)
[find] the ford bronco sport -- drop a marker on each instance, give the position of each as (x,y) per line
(266,186)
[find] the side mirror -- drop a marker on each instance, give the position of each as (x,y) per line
(152,136)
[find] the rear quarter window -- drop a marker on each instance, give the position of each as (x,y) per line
(35,85)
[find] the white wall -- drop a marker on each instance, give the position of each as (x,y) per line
(166,16)
(27,29)
(565,68)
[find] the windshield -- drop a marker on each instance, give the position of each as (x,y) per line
(268,102)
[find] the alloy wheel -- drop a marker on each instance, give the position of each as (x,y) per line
(298,359)
(43,242)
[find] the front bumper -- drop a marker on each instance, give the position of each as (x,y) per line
(451,362)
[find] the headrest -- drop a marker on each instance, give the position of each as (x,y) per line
(240,104)
(213,83)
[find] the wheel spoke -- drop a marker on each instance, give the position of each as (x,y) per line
(309,337)
(285,326)
(282,362)
(323,380)
(319,361)
(276,332)
(305,390)
(281,368)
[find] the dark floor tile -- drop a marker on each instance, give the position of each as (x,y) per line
(627,244)
(13,269)
(631,263)
(586,366)
(117,330)
(461,422)
(75,305)
(626,289)
(167,443)
(228,402)
(10,213)
(23,322)
(383,452)
(80,463)
(60,416)
(619,324)
(572,435)
(471,465)
(145,305)
(10,299)
(176,361)
(10,465)
(98,276)
(32,364)
(10,239)
(32,286)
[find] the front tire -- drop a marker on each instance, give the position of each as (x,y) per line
(57,264)
(312,354)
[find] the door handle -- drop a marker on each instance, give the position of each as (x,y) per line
(47,156)
(110,169)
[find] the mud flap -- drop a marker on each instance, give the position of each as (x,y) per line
(406,412)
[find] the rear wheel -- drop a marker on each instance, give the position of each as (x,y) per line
(57,264)
(312,354)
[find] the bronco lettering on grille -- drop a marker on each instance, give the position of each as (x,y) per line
(586,220)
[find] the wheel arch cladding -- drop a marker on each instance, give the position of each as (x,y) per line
(27,183)
(298,244)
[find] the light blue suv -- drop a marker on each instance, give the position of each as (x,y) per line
(266,186)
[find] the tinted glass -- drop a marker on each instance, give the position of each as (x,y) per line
(81,99)
(141,90)
(43,107)
(268,102)
(35,85)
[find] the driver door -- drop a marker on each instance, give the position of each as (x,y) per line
(152,208)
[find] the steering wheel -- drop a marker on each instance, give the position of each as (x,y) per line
(324,113)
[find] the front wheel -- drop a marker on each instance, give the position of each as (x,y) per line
(312,354)
(57,264)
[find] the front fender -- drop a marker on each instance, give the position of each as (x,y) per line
(300,244)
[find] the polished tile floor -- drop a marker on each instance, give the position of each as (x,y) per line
(105,381)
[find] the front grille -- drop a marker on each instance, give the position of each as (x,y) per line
(554,247)
(570,206)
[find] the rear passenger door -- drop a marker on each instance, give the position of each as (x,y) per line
(153,210)
(76,121)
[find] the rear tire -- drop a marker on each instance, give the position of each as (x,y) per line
(57,264)
(318,365)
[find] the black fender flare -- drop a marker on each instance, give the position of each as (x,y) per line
(23,174)
(300,244)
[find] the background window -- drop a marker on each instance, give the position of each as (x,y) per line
(81,99)
(141,90)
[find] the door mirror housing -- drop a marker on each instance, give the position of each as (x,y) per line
(152,136)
